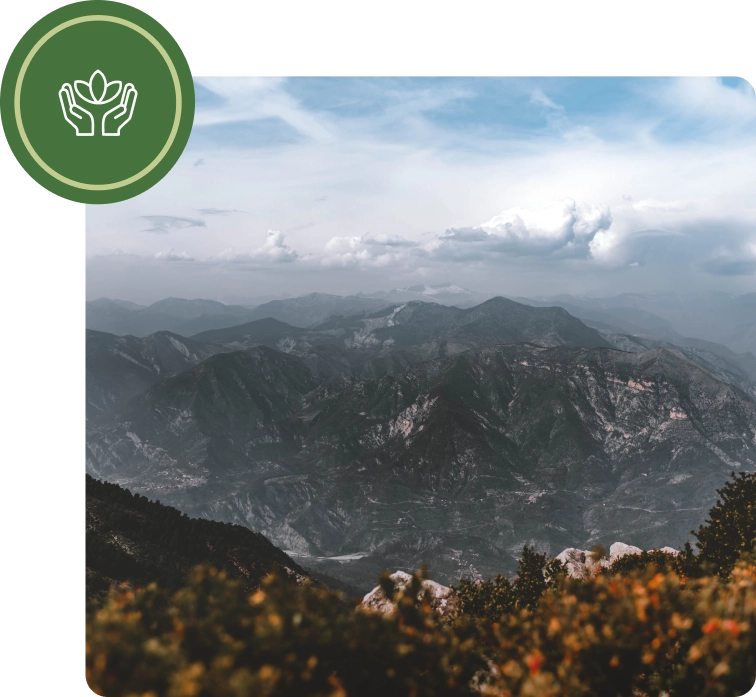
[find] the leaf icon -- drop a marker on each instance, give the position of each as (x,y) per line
(98,90)
(82,89)
(112,90)
(97,86)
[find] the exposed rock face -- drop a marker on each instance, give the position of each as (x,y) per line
(620,549)
(443,599)
(670,550)
(581,564)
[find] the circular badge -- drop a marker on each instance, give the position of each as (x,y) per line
(97,102)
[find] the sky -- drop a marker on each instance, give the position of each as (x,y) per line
(512,186)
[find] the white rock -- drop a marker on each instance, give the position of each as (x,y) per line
(670,550)
(576,562)
(620,549)
(443,599)
(580,563)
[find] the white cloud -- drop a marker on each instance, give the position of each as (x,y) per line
(173,255)
(539,97)
(163,224)
(383,240)
(565,229)
(274,251)
(709,99)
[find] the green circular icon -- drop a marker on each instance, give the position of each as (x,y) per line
(97,102)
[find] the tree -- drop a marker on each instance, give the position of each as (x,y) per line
(730,529)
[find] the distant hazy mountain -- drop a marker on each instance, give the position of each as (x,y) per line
(392,338)
(737,369)
(444,293)
(120,367)
(106,302)
(457,461)
(632,329)
(177,315)
(307,310)
(721,318)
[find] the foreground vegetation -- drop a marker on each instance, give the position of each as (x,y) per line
(677,625)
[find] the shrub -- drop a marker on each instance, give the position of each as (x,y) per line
(492,599)
(214,639)
(651,624)
(644,632)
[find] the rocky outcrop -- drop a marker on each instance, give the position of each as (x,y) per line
(620,549)
(442,599)
(582,564)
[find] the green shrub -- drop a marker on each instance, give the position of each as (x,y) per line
(491,599)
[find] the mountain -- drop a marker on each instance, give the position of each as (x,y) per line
(268,331)
(177,315)
(131,539)
(722,318)
(106,303)
(632,329)
(457,461)
(211,419)
(120,367)
(443,293)
(311,309)
(737,369)
(385,341)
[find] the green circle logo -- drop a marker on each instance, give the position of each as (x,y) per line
(97,102)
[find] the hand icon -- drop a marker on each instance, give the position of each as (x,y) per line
(115,119)
(79,118)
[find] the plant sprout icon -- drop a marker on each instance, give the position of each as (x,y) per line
(97,91)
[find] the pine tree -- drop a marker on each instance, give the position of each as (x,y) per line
(730,529)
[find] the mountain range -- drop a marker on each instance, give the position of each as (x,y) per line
(721,318)
(422,432)
(443,293)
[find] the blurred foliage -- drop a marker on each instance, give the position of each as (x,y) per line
(645,632)
(650,624)
(214,639)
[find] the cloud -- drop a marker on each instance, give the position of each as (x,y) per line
(653,206)
(709,99)
(218,211)
(274,251)
(238,100)
(163,224)
(173,255)
(386,241)
(565,229)
(730,267)
(369,251)
(538,96)
(423,172)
